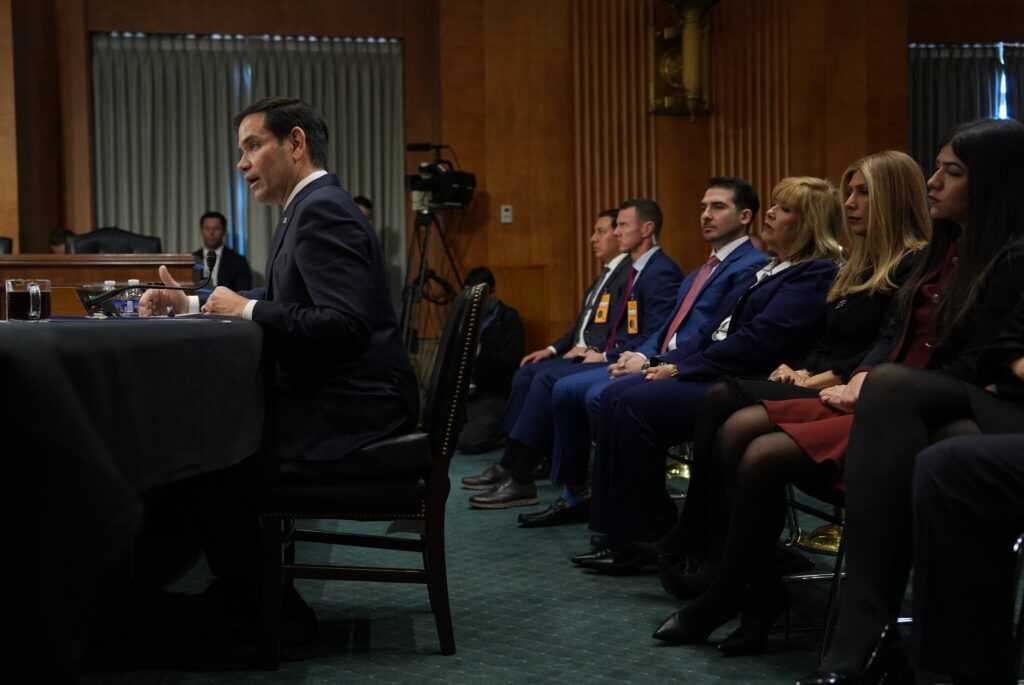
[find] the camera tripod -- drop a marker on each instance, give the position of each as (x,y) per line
(416,289)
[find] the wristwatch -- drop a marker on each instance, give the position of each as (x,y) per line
(646,365)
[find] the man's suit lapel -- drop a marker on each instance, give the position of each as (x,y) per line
(734,256)
(282,225)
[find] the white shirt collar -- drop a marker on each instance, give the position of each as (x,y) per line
(640,262)
(303,183)
(723,252)
(615,261)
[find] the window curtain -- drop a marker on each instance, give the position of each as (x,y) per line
(165,148)
(1013,61)
(949,84)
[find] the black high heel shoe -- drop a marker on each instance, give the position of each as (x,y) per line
(885,665)
(756,620)
(698,619)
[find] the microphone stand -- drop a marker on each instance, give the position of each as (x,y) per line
(97,301)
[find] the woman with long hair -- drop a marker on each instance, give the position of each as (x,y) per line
(887,216)
(951,324)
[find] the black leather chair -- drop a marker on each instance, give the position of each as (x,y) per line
(6,245)
(399,479)
(112,240)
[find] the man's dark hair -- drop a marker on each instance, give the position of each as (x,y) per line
(281,115)
(646,210)
(363,201)
(743,194)
(58,235)
(480,274)
(215,215)
(612,214)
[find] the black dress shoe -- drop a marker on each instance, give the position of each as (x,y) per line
(508,494)
(762,608)
(885,664)
(698,619)
(558,513)
(490,478)
(609,561)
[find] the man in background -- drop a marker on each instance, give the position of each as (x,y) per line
(231,269)
(365,206)
(502,343)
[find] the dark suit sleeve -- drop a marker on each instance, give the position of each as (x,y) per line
(794,311)
(659,299)
(243,278)
(334,256)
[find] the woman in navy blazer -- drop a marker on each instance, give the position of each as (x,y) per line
(771,317)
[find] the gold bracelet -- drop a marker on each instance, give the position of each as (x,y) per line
(675,371)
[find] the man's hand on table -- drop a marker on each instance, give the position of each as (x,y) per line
(225,302)
(156,302)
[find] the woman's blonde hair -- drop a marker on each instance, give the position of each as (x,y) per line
(821,217)
(897,223)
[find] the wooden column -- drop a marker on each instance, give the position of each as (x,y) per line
(613,133)
(8,131)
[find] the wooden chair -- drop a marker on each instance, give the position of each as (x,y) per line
(401,478)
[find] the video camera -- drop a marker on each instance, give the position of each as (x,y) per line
(442,184)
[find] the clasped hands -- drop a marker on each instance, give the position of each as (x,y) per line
(222,301)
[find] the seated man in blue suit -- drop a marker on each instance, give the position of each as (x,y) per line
(643,309)
(589,333)
(773,316)
(727,212)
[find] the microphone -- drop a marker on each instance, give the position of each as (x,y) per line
(97,301)
(423,147)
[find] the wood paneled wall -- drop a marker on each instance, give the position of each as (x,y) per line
(8,129)
(966,21)
(613,133)
(750,92)
(806,87)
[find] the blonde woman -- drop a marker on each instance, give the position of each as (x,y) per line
(887,218)
(775,316)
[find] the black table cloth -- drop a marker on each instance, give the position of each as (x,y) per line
(94,413)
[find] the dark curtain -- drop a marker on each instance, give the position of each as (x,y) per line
(1013,58)
(949,84)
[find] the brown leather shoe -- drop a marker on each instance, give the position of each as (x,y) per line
(490,478)
(508,494)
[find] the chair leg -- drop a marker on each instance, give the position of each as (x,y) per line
(271,592)
(437,579)
(831,613)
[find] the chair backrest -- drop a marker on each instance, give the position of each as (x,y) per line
(6,245)
(444,411)
(112,240)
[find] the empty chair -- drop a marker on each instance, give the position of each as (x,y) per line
(112,240)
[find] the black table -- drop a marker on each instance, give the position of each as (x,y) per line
(95,413)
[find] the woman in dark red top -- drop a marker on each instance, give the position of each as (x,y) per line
(976,191)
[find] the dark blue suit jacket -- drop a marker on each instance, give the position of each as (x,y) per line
(343,377)
(774,322)
(655,292)
(737,267)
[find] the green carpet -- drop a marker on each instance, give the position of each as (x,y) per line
(522,613)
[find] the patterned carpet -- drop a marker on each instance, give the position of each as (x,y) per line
(522,613)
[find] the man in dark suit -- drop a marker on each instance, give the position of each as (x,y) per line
(589,333)
(231,269)
(343,377)
(502,339)
(728,208)
(643,309)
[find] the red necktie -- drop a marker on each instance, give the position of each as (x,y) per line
(691,297)
(622,310)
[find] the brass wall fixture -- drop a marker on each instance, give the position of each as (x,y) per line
(680,60)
